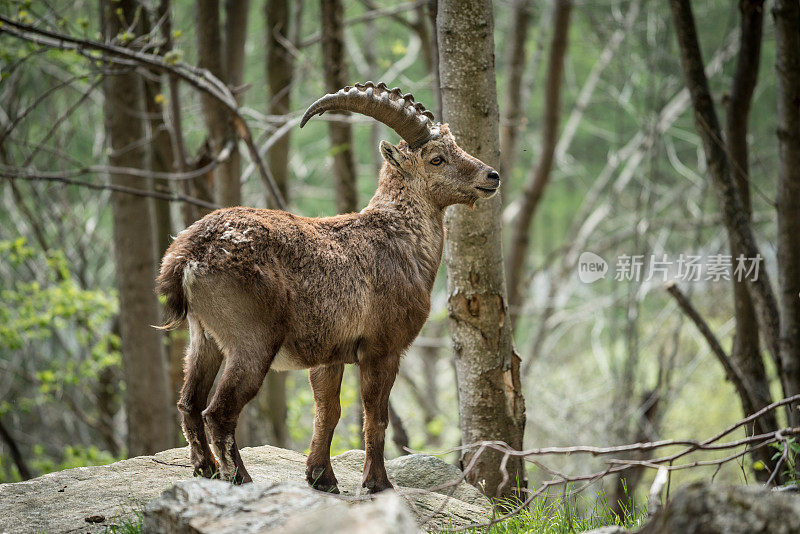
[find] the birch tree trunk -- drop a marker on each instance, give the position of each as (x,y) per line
(333,62)
(148,403)
(787,44)
(538,180)
(490,397)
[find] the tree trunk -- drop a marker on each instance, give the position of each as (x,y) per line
(236,12)
(399,432)
(648,422)
(280,72)
(276,408)
(732,211)
(514,114)
(333,62)
(534,188)
(369,45)
(161,157)
(430,358)
(210,55)
(787,44)
(746,352)
(163,160)
(148,404)
(433,14)
(490,397)
(14,452)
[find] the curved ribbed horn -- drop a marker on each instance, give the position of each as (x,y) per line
(390,106)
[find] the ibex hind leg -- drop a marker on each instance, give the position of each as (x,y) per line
(203,359)
(244,372)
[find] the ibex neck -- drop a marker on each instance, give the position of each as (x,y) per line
(409,203)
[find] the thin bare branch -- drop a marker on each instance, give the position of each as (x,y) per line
(175,197)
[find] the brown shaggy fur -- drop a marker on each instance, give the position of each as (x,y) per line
(265,288)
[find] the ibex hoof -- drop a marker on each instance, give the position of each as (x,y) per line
(317,480)
(326,488)
(206,470)
(373,486)
(241,478)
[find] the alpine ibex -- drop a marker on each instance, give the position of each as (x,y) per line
(266,289)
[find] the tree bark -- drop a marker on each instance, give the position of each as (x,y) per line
(514,114)
(490,396)
(235,38)
(787,44)
(210,55)
(148,404)
(535,186)
(732,211)
(161,157)
(280,73)
(333,62)
(433,14)
(16,455)
(276,408)
(399,432)
(746,352)
(648,422)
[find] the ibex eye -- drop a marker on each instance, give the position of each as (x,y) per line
(438,160)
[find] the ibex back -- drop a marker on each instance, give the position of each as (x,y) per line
(266,289)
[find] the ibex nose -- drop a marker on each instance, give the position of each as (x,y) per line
(493,176)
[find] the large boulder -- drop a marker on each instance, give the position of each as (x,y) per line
(89,499)
(702,508)
(210,506)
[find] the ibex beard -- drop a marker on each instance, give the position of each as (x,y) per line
(265,289)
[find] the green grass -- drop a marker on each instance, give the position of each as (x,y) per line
(563,515)
(127,525)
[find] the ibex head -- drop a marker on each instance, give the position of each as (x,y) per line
(428,154)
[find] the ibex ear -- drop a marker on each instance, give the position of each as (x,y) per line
(392,154)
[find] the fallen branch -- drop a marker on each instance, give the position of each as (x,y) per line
(617,465)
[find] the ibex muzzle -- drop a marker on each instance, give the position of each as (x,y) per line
(266,289)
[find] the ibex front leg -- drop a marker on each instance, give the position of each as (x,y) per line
(326,384)
(377,377)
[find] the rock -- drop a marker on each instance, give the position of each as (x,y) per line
(607,530)
(418,471)
(386,513)
(60,502)
(425,472)
(703,508)
(211,506)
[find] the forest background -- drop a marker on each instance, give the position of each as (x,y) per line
(600,152)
